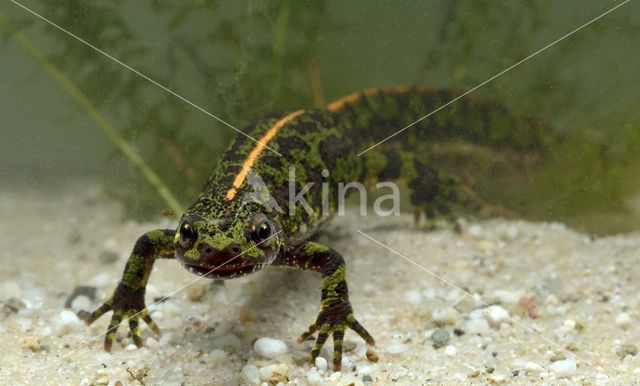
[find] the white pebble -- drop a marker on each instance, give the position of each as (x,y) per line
(564,368)
(67,322)
(217,356)
(131,347)
(450,350)
(507,297)
(321,363)
(533,367)
(250,374)
(477,326)
(81,303)
(445,315)
(497,379)
(397,348)
(269,347)
(623,320)
(313,376)
(496,315)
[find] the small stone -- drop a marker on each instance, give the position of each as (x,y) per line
(250,374)
(80,303)
(246,314)
(269,347)
(627,350)
(551,301)
(497,379)
(195,292)
(228,342)
(444,316)
(440,337)
(217,356)
(474,373)
(300,357)
(5,311)
(108,257)
(528,302)
(313,376)
(348,345)
(67,322)
(32,343)
(564,368)
(450,350)
(372,356)
(477,326)
(321,363)
(533,368)
(15,304)
(82,290)
(505,297)
(458,332)
(557,356)
(367,378)
(623,320)
(495,315)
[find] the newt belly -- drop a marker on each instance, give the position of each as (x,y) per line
(248,216)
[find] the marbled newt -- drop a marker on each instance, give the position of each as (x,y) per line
(231,231)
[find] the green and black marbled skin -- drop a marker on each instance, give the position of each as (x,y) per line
(225,235)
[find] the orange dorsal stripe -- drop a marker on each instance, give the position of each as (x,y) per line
(351,98)
(253,156)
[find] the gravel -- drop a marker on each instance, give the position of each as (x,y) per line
(440,337)
(575,292)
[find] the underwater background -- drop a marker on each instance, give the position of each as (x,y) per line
(69,113)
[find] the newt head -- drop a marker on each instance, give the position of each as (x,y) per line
(230,245)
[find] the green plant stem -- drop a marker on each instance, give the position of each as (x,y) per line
(82,100)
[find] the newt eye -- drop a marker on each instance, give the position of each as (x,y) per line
(187,235)
(262,230)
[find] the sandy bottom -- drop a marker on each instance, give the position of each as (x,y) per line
(550,305)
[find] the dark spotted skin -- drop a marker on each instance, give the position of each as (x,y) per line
(242,221)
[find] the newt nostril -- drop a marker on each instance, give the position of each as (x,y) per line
(208,250)
(234,248)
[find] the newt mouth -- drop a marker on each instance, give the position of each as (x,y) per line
(221,271)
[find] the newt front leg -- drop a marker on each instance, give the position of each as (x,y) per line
(127,301)
(336,313)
